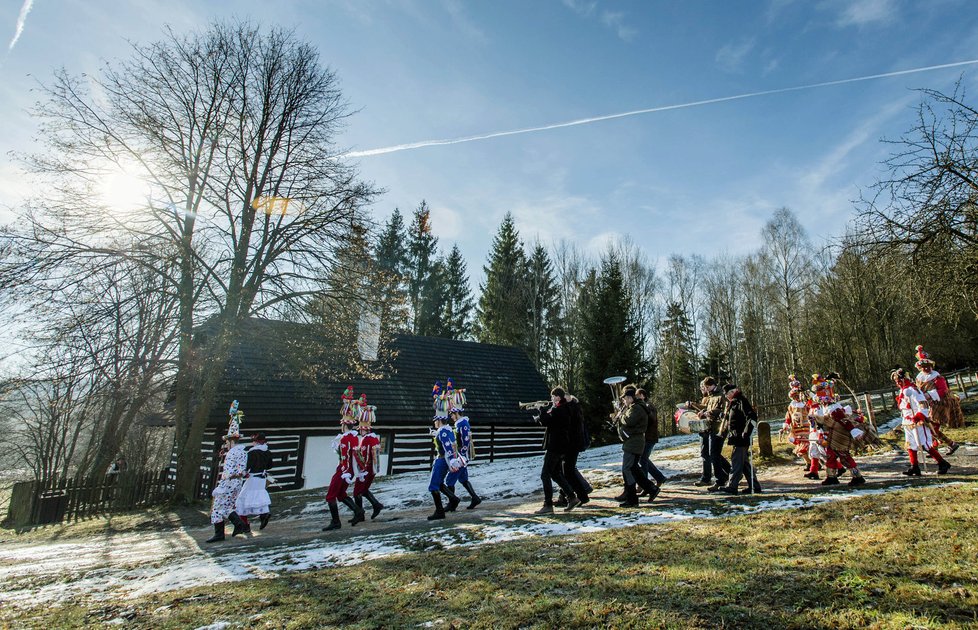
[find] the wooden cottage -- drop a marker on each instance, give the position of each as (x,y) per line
(299,412)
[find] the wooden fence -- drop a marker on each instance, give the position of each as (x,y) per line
(70,499)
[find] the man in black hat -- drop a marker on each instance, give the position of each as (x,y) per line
(557,443)
(631,429)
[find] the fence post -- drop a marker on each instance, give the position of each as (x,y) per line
(492,442)
(764,439)
(869,408)
(961,387)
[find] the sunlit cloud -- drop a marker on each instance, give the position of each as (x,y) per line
(863,12)
(731,57)
(21,20)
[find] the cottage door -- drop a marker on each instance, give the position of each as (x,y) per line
(318,462)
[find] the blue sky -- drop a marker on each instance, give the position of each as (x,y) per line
(690,180)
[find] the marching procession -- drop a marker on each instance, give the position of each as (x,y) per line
(823,432)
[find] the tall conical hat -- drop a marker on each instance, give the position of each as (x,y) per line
(234,422)
(456,397)
(923,359)
(440,401)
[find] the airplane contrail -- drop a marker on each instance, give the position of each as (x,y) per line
(21,20)
(636,112)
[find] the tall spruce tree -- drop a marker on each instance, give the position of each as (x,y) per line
(544,310)
(430,319)
(503,305)
(676,376)
(392,261)
(458,303)
(422,273)
(610,343)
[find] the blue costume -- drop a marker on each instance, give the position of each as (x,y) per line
(447,455)
(463,432)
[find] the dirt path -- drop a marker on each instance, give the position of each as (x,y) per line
(138,563)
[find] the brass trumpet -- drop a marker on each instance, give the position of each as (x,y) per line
(536,404)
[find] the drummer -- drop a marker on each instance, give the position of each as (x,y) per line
(711,444)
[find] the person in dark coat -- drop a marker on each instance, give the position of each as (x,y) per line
(579,441)
(711,442)
(557,443)
(738,421)
(631,429)
(651,439)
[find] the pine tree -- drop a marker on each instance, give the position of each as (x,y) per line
(503,304)
(430,318)
(610,343)
(544,309)
(458,304)
(422,273)
(392,261)
(676,378)
(349,290)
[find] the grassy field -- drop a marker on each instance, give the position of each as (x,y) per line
(899,560)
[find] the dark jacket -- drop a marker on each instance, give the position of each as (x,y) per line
(259,460)
(578,435)
(557,438)
(652,431)
(738,418)
(631,428)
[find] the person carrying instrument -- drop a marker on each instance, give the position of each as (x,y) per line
(651,439)
(632,424)
(916,429)
(557,444)
(711,443)
(945,408)
(739,418)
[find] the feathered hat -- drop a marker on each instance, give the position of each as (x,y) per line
(923,359)
(455,396)
(898,375)
(794,386)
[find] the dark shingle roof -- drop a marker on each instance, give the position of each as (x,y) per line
(271,388)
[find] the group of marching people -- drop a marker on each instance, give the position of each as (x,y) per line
(454,449)
(824,432)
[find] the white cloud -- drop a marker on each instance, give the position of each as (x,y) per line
(446,224)
(863,12)
(731,57)
(615,20)
(582,7)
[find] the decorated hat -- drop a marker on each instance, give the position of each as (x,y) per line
(923,359)
(794,386)
(368,416)
(348,409)
(347,401)
(440,401)
(456,397)
(899,374)
(234,422)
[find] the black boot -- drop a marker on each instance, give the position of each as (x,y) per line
(239,525)
(631,497)
(358,514)
(943,467)
(374,503)
(913,471)
(218,533)
(334,517)
(475,498)
(263,520)
(453,500)
(439,509)
(830,481)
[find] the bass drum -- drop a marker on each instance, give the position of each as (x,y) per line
(689,422)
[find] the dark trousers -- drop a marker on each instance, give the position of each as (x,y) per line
(741,467)
(573,476)
(648,467)
(714,463)
(553,473)
(631,470)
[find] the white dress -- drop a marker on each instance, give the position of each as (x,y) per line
(253,498)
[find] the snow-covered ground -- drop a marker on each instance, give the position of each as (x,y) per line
(134,564)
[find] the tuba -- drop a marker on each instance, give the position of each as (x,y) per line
(614,382)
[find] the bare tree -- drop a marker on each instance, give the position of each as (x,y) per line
(232,130)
